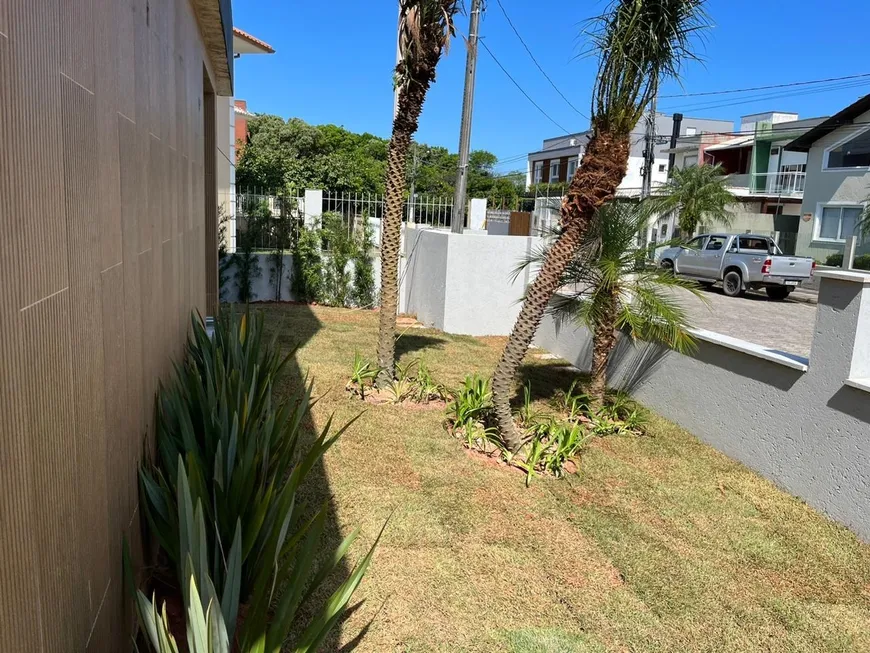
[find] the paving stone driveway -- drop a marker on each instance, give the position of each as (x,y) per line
(785,326)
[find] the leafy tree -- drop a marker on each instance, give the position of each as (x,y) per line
(639,43)
(616,288)
(698,194)
(425,29)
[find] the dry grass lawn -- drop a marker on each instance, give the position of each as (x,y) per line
(658,543)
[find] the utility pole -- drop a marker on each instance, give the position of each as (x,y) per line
(675,135)
(459,199)
(649,153)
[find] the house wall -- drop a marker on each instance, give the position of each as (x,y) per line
(802,424)
(103,258)
(822,186)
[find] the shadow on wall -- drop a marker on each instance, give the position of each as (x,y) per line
(851,401)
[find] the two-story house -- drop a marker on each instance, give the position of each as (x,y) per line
(837,186)
(557,160)
(768,180)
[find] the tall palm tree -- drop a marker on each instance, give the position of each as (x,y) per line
(617,288)
(425,29)
(698,194)
(638,43)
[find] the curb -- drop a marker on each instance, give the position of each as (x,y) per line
(805,297)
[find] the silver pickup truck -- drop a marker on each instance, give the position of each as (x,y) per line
(740,262)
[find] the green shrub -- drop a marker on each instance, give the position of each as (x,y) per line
(861,262)
(228,457)
(339,244)
(307,267)
(364,293)
(549,447)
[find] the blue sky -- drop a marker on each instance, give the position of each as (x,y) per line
(334,64)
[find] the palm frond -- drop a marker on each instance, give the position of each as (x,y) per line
(640,43)
(425,30)
(698,194)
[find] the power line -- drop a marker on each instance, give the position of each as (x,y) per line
(764,88)
(543,72)
(528,97)
(772,96)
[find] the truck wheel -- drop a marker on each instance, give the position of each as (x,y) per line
(732,284)
(777,293)
(668,265)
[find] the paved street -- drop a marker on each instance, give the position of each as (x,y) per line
(785,326)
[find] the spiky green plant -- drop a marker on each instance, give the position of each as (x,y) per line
(616,288)
(638,43)
(698,195)
(229,457)
(425,30)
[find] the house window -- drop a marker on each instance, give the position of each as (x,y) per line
(554,172)
(690,160)
(572,168)
(836,223)
(691,131)
(663,167)
(539,172)
(774,151)
(854,152)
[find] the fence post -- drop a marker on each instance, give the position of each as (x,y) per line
(849,252)
(313,207)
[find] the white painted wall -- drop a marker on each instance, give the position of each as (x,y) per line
(463,283)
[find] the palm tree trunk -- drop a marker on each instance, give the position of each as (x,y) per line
(603,168)
(603,343)
(411,98)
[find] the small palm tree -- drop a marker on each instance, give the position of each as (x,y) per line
(639,43)
(617,288)
(425,29)
(863,226)
(698,194)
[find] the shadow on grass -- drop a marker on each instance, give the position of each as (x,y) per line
(295,325)
(414,343)
(545,380)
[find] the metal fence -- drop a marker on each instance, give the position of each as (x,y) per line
(432,210)
(269,218)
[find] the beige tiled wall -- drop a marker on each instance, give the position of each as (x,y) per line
(102,258)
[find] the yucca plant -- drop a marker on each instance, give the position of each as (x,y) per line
(363,374)
(227,448)
(425,30)
(639,43)
(471,402)
(615,288)
(698,195)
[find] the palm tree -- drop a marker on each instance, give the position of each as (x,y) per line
(698,194)
(617,288)
(639,43)
(425,29)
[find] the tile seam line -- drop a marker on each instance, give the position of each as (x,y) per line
(84,88)
(39,301)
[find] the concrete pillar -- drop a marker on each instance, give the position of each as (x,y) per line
(841,345)
(849,252)
(477,214)
(313,208)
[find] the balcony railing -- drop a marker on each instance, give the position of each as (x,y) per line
(786,184)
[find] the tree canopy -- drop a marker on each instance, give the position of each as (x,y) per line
(294,154)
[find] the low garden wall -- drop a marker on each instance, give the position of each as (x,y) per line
(804,424)
(464,283)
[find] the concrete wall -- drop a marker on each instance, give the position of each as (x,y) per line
(462,283)
(823,186)
(803,424)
